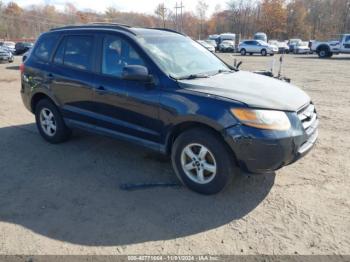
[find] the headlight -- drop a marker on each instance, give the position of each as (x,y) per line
(263,119)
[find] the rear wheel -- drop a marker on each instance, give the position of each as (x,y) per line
(324,53)
(264,52)
(50,122)
(243,52)
(202,161)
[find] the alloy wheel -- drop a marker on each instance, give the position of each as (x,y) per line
(198,163)
(47,122)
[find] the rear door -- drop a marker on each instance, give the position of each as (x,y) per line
(249,47)
(256,47)
(72,78)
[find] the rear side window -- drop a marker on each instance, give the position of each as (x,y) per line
(45,47)
(76,52)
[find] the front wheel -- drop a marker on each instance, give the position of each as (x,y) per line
(264,52)
(202,161)
(243,52)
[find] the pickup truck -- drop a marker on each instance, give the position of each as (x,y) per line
(327,49)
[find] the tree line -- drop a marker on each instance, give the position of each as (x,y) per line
(279,19)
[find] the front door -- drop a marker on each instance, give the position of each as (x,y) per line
(126,107)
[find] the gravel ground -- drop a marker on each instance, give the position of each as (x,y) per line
(65,199)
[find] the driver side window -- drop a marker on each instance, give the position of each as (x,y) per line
(118,53)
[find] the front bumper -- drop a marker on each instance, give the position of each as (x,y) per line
(227,49)
(283,50)
(5,58)
(303,51)
(264,151)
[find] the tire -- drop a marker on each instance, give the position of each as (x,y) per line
(324,53)
(272,54)
(218,156)
(46,110)
(250,53)
(263,52)
(243,52)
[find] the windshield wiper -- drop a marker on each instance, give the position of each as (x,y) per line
(222,71)
(193,76)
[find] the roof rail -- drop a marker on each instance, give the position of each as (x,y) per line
(109,24)
(166,29)
(97,25)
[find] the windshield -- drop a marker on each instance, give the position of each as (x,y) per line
(211,42)
(260,37)
(205,44)
(180,56)
(262,42)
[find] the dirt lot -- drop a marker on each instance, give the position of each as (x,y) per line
(65,199)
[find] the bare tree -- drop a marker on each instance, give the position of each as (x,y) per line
(111,13)
(202,8)
(162,13)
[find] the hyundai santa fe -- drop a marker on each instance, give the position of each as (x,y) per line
(160,89)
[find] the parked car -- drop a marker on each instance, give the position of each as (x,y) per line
(211,48)
(292,43)
(213,43)
(162,90)
(23,47)
(302,48)
(227,46)
(257,47)
(6,55)
(9,45)
(219,39)
(328,49)
(260,36)
(282,46)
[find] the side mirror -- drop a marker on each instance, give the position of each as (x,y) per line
(136,73)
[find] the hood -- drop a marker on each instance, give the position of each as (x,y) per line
(251,89)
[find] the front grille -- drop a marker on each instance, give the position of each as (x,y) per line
(309,119)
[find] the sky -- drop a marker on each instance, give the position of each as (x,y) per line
(141,6)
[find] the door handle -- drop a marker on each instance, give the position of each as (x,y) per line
(49,78)
(100,89)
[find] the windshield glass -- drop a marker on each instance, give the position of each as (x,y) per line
(260,37)
(261,42)
(180,56)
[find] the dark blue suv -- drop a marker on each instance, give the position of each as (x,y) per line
(164,91)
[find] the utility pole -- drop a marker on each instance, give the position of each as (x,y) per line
(181,6)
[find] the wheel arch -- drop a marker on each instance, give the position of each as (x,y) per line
(188,125)
(323,47)
(37,97)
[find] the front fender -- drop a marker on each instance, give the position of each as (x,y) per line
(183,107)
